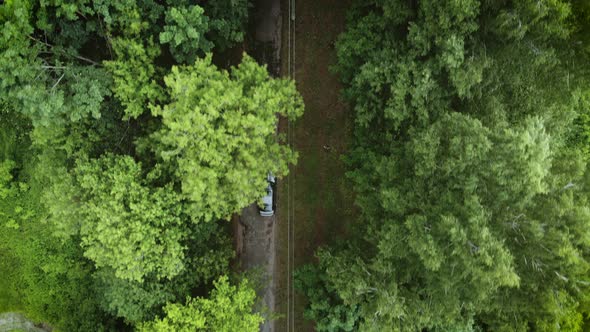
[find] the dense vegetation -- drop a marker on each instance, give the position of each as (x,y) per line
(123,147)
(470,166)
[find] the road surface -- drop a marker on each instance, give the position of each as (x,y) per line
(256,243)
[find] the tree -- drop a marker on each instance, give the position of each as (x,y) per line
(220,133)
(123,223)
(134,75)
(43,276)
(207,256)
(228,308)
(228,19)
(128,224)
(184,31)
(134,301)
(94,222)
(432,229)
(327,309)
(138,235)
(463,168)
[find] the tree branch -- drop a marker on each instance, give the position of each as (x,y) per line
(59,80)
(79,57)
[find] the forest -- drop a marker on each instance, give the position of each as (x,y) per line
(128,139)
(469,166)
(126,143)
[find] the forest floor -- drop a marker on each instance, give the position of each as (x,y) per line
(321,202)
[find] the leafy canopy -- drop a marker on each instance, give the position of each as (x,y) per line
(220,130)
(465,161)
(227,309)
(123,223)
(100,208)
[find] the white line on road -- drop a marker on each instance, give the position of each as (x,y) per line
(290,182)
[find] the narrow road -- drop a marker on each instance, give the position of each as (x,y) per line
(317,200)
(258,254)
(257,235)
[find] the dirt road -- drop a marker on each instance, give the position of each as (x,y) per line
(320,200)
(257,253)
(256,243)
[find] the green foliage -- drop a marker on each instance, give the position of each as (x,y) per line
(123,223)
(228,19)
(131,300)
(184,31)
(124,18)
(95,227)
(19,65)
(43,276)
(228,308)
(10,297)
(327,310)
(136,233)
(17,57)
(14,142)
(133,73)
(76,93)
(470,126)
(55,282)
(580,136)
(440,214)
(49,90)
(206,257)
(220,131)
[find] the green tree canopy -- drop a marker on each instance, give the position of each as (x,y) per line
(44,276)
(220,133)
(93,219)
(123,223)
(228,21)
(228,308)
(464,168)
(184,31)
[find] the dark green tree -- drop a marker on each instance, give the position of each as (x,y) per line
(185,32)
(464,168)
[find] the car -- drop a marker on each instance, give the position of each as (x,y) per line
(268,201)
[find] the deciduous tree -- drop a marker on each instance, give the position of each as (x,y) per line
(464,168)
(220,132)
(228,308)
